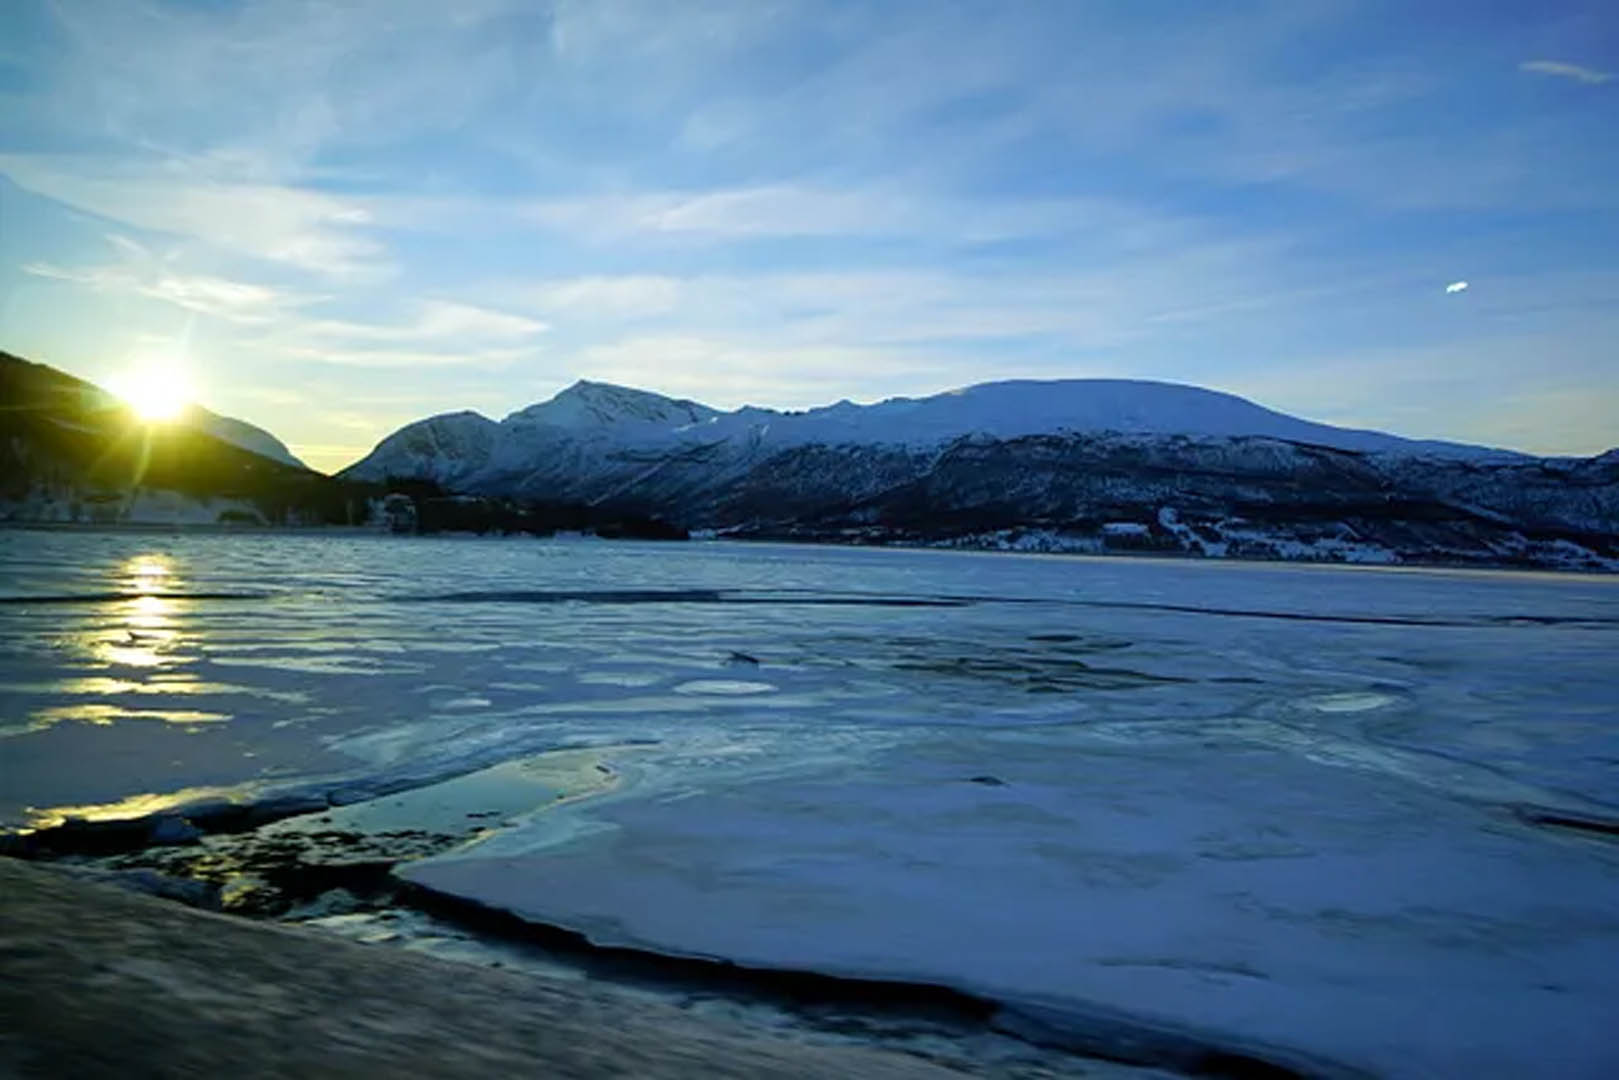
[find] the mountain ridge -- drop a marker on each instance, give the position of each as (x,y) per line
(1081,465)
(242,433)
(1003,409)
(586,400)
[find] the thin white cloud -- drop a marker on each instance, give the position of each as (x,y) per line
(272,85)
(1456,287)
(1561,70)
(783,210)
(412,359)
(438,334)
(610,296)
(310,230)
(1119,300)
(780,210)
(434,321)
(446,319)
(792,210)
(236,301)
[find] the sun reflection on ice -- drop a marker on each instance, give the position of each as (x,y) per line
(142,632)
(144,573)
(145,633)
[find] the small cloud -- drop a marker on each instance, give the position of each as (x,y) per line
(435,321)
(620,296)
(1589,76)
(494,359)
(1456,287)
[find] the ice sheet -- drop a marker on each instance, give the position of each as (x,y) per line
(1277,802)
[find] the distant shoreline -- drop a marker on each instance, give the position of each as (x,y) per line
(214,529)
(185,527)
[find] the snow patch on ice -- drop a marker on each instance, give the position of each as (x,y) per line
(724,687)
(1348,703)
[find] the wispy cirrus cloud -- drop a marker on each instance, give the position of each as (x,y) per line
(436,335)
(868,211)
(312,231)
(609,296)
(1562,70)
(434,320)
(1166,292)
(224,298)
(408,360)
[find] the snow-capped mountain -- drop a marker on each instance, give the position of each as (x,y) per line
(1074,463)
(605,420)
(1013,409)
(587,406)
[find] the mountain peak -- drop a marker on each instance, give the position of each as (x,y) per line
(444,448)
(592,388)
(587,404)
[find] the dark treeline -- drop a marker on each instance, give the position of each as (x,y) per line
(437,510)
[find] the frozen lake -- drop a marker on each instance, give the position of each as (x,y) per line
(1356,814)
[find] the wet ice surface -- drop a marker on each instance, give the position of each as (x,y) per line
(1272,802)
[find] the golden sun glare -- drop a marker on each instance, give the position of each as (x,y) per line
(156,392)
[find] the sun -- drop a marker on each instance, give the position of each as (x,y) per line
(155,391)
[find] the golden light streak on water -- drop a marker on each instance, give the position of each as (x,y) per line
(135,806)
(103,715)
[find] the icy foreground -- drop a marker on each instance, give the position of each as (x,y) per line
(1345,817)
(237,998)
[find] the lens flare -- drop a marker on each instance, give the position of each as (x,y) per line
(156,391)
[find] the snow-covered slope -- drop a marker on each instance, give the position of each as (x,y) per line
(581,432)
(241,433)
(1012,409)
(587,406)
(446,449)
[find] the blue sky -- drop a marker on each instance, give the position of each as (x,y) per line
(345,216)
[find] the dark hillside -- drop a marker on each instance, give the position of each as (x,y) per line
(66,440)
